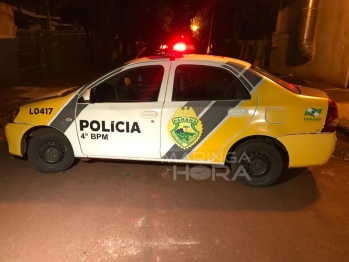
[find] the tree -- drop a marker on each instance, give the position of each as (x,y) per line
(234,20)
(151,21)
(39,6)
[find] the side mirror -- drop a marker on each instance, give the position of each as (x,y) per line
(86,95)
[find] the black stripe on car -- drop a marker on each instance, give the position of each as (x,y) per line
(67,116)
(250,79)
(233,67)
(210,120)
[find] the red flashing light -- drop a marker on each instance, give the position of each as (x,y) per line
(180,47)
(175,48)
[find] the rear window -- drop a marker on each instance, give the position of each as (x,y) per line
(277,80)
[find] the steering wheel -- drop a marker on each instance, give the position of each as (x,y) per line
(122,93)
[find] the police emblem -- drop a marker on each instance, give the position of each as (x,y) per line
(185,128)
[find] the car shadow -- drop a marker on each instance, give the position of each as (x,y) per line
(287,174)
(135,184)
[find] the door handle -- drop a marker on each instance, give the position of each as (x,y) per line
(237,112)
(149,114)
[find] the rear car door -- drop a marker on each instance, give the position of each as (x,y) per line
(206,106)
(122,118)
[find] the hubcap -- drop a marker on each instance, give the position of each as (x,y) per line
(51,152)
(258,166)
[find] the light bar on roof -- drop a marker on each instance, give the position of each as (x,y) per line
(180,47)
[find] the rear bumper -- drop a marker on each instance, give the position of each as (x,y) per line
(309,149)
(14,134)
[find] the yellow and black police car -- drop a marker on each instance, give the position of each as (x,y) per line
(184,109)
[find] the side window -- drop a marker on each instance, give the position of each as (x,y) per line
(195,82)
(140,84)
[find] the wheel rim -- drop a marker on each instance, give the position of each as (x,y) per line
(51,152)
(258,165)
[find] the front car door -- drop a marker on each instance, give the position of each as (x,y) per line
(122,118)
(206,106)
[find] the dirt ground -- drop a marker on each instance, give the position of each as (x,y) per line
(135,211)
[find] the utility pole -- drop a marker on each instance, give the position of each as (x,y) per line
(93,33)
(279,17)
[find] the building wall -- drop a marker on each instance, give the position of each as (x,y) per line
(9,71)
(330,63)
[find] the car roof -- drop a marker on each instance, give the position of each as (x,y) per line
(192,57)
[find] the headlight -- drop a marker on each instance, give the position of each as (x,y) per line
(13,115)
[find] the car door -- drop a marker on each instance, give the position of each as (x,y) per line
(122,118)
(206,106)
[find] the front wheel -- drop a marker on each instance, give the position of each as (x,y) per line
(49,151)
(262,162)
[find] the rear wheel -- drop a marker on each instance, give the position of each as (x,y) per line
(49,151)
(262,162)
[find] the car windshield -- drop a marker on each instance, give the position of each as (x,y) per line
(277,80)
(103,75)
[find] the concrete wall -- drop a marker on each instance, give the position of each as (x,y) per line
(9,70)
(331,60)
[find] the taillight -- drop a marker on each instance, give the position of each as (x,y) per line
(331,118)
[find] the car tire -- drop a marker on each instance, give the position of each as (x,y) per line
(49,151)
(261,160)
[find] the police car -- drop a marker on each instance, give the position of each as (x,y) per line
(197,109)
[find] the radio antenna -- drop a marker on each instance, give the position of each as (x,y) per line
(209,39)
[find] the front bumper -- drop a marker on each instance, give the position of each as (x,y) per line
(309,149)
(14,135)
